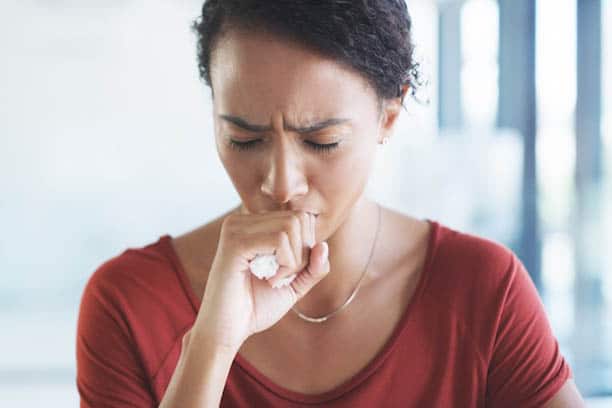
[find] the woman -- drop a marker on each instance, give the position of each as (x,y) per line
(369,307)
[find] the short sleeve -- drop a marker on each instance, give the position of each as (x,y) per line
(526,367)
(109,371)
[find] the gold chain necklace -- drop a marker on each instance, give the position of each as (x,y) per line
(321,319)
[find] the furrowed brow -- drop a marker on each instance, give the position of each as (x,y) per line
(318,126)
(243,124)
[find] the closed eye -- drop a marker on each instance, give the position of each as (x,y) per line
(250,144)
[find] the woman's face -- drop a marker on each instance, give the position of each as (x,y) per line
(294,130)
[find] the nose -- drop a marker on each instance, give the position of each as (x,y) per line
(284,179)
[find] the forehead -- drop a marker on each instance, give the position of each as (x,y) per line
(258,73)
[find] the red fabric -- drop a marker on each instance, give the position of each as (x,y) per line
(475,334)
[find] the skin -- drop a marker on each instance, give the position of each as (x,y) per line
(568,396)
(274,101)
(282,171)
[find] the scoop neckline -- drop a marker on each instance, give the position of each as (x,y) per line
(359,377)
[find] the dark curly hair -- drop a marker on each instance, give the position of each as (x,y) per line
(374,37)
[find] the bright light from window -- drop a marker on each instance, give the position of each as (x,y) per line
(607,81)
(556,90)
(479,74)
(607,143)
(555,151)
(556,60)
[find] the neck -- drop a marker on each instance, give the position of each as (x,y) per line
(349,251)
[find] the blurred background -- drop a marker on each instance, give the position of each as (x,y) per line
(106,143)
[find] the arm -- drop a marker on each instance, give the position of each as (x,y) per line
(200,374)
(567,397)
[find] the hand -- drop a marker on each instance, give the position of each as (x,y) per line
(236,304)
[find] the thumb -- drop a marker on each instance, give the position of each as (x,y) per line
(317,269)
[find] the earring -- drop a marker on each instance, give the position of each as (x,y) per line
(385,140)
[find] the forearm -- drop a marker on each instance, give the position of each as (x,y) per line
(200,375)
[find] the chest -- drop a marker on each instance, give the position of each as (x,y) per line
(312,358)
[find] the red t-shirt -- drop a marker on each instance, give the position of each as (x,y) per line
(475,334)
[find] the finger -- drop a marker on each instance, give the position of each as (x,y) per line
(292,231)
(285,254)
(260,222)
(298,227)
(296,234)
(276,242)
(313,224)
(305,231)
(287,221)
(317,269)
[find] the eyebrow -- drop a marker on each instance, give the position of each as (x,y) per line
(241,123)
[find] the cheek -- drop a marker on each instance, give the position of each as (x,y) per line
(240,172)
(345,175)
(340,183)
(246,180)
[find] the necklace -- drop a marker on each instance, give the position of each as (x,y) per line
(352,296)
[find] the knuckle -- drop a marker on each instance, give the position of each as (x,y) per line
(296,292)
(281,237)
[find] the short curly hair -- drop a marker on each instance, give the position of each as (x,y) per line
(374,37)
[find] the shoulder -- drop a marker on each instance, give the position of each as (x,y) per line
(134,275)
(455,263)
(130,317)
(132,263)
(470,280)
(463,262)
(469,248)
(134,310)
(134,300)
(137,284)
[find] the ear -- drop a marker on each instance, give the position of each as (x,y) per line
(390,111)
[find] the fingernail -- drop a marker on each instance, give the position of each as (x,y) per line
(325,250)
(313,222)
